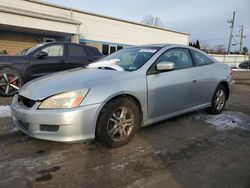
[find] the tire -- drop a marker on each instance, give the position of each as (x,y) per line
(117,122)
(10,82)
(219,100)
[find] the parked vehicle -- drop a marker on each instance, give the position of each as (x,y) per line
(245,65)
(40,60)
(115,96)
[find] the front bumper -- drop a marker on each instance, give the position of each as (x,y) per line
(62,125)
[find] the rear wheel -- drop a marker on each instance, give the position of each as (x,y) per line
(10,82)
(219,100)
(117,122)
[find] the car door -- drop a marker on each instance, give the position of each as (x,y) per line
(171,91)
(53,62)
(76,56)
(206,81)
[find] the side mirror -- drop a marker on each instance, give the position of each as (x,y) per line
(165,66)
(41,55)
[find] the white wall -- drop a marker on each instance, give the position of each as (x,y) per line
(99,28)
(103,29)
(36,7)
(36,23)
(231,60)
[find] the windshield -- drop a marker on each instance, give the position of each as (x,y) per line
(29,50)
(129,59)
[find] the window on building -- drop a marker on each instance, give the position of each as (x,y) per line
(76,51)
(45,39)
(105,49)
(112,49)
(54,50)
(119,47)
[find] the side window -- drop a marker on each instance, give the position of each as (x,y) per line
(119,47)
(179,56)
(112,49)
(105,49)
(201,59)
(54,50)
(92,51)
(76,51)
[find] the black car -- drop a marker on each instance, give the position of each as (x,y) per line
(245,65)
(40,60)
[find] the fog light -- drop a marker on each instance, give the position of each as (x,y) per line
(24,125)
(49,128)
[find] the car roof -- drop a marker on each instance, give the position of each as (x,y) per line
(66,42)
(150,46)
(159,46)
(62,42)
(132,46)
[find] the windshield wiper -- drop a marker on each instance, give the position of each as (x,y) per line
(106,68)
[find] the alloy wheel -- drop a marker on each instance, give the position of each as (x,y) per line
(120,124)
(9,83)
(220,99)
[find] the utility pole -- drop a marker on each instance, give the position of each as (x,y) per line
(231,33)
(241,37)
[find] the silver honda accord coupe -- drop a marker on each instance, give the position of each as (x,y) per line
(110,99)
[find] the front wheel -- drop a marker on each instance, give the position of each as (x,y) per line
(10,82)
(117,122)
(219,100)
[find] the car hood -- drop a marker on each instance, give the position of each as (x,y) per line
(70,80)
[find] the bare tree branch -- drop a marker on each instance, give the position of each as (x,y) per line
(152,21)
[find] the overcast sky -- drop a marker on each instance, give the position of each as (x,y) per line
(204,20)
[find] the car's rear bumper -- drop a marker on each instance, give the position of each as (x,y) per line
(231,84)
(63,125)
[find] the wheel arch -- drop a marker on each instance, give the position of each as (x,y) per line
(120,95)
(5,66)
(14,68)
(226,85)
(131,96)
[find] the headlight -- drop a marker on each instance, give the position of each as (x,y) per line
(65,100)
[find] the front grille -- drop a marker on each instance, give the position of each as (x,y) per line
(26,102)
(23,125)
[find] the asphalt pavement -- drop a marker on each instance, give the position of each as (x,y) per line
(193,150)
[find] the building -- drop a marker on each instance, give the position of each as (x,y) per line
(24,23)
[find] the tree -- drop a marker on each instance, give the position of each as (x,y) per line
(191,44)
(152,21)
(245,50)
(204,45)
(197,44)
(220,49)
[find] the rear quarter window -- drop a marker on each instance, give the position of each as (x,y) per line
(93,51)
(201,59)
(76,51)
